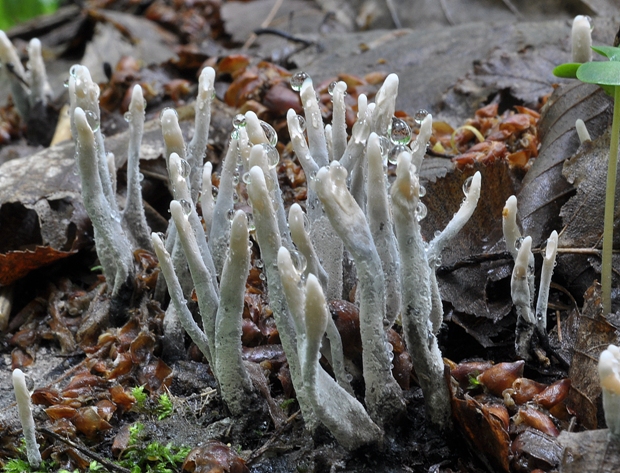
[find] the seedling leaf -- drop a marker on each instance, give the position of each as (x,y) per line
(567,70)
(601,73)
(610,52)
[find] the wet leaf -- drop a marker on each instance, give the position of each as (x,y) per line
(15,265)
(485,433)
(535,449)
(589,452)
(544,189)
(586,335)
(214,456)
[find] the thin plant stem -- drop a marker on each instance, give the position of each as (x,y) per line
(608,229)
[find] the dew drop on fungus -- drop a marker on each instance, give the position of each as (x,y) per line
(262,277)
(384,145)
(162,237)
(298,79)
(235,197)
(273,157)
(234,135)
(92,119)
(73,70)
(127,116)
(518,243)
(420,211)
(299,261)
(239,121)
(437,233)
(467,185)
(184,168)
(270,133)
(421,191)
(420,115)
(395,153)
(66,83)
(230,214)
(330,88)
(302,123)
(400,133)
(259,263)
(140,177)
(186,206)
(246,178)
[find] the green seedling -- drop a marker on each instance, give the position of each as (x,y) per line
(153,457)
(607,75)
(140,396)
(164,407)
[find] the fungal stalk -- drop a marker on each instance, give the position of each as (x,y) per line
(25,416)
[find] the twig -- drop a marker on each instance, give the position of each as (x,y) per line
(513,9)
(394,13)
(283,34)
(264,24)
(259,451)
(446,13)
(106,463)
(473,260)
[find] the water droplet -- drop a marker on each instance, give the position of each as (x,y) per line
(235,179)
(230,214)
(259,263)
(270,133)
(384,145)
(330,88)
(235,197)
(144,103)
(73,70)
(251,225)
(186,206)
(422,191)
(349,377)
(184,168)
(66,83)
(140,177)
(395,153)
(302,123)
(214,191)
(313,175)
(92,119)
(518,243)
(400,133)
(246,178)
(420,211)
(467,185)
(420,115)
(298,79)
(299,261)
(262,277)
(127,116)
(234,135)
(162,237)
(239,121)
(437,233)
(273,157)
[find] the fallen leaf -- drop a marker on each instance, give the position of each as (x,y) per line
(15,265)
(586,335)
(544,189)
